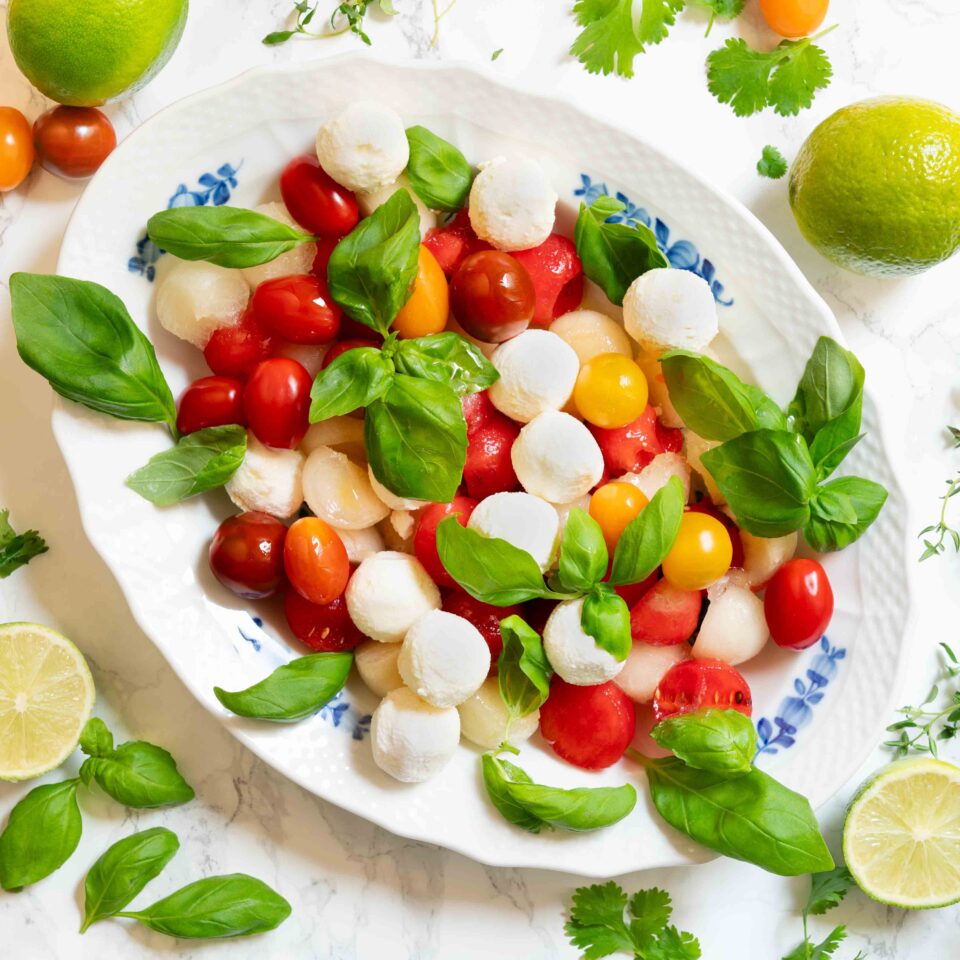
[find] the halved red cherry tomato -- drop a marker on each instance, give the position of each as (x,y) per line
(701,684)
(798,604)
(629,449)
(235,351)
(276,401)
(342,346)
(557,276)
(425,537)
(325,628)
(428,308)
(315,200)
(210,402)
(452,243)
(589,727)
(315,560)
(298,308)
(16,148)
(246,554)
(489,466)
(485,617)
(72,142)
(492,296)
(665,615)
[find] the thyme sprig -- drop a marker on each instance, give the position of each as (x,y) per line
(941,528)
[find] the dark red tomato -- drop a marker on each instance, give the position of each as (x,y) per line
(489,467)
(798,604)
(342,346)
(315,200)
(299,309)
(453,243)
(321,258)
(425,537)
(633,593)
(485,617)
(707,506)
(315,560)
(211,402)
(235,351)
(589,727)
(324,628)
(665,615)
(276,401)
(629,449)
(478,411)
(492,296)
(701,684)
(72,142)
(246,554)
(557,276)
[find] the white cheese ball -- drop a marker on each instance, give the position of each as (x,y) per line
(591,333)
(556,457)
(361,544)
(537,370)
(695,447)
(667,309)
(388,593)
(764,556)
(195,298)
(658,472)
(413,740)
(337,491)
(527,522)
(573,654)
(377,666)
(734,628)
(483,718)
(444,658)
(390,498)
(363,147)
(295,261)
(268,480)
(344,434)
(512,204)
(368,201)
(645,666)
(310,356)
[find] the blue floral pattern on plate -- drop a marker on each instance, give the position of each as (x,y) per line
(214,189)
(682,254)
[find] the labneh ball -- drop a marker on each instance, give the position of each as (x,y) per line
(574,654)
(526,522)
(668,309)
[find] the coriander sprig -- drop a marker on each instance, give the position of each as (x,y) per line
(933,548)
(826,892)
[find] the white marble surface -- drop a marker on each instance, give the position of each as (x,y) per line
(358,892)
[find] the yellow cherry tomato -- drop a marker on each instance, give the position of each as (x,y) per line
(611,391)
(701,553)
(794,18)
(428,308)
(16,148)
(613,506)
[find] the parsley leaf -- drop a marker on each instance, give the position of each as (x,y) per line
(17,550)
(772,163)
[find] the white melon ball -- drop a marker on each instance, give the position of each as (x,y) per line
(310,356)
(734,629)
(361,544)
(764,556)
(390,498)
(483,718)
(377,666)
(658,473)
(295,261)
(667,309)
(591,333)
(337,490)
(194,298)
(268,480)
(527,522)
(368,201)
(343,434)
(695,447)
(645,666)
(402,523)
(563,509)
(574,654)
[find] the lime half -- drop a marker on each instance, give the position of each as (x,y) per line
(901,839)
(46,695)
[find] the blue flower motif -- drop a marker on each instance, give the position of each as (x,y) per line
(335,710)
(251,635)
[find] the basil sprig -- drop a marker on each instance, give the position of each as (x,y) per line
(721,741)
(446,358)
(437,170)
(79,336)
(523,670)
(606,617)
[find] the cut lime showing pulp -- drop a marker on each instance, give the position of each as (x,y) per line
(46,695)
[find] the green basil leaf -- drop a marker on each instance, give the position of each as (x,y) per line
(713,401)
(722,741)
(448,358)
(79,336)
(95,739)
(614,254)
(234,905)
(226,236)
(490,569)
(767,478)
(497,775)
(648,537)
(583,552)
(751,817)
(294,691)
(841,511)
(124,870)
(416,439)
(138,774)
(523,670)
(353,380)
(200,461)
(831,386)
(606,618)
(372,270)
(41,834)
(17,549)
(437,171)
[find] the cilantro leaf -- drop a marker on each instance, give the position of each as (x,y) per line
(828,946)
(671,944)
(772,163)
(827,890)
(725,9)
(651,910)
(17,550)
(798,77)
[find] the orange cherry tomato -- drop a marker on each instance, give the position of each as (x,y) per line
(315,560)
(428,308)
(72,142)
(700,555)
(613,506)
(611,391)
(16,148)
(794,18)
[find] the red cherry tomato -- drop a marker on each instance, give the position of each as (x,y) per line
(210,402)
(315,200)
(299,309)
(453,243)
(478,411)
(72,142)
(485,617)
(16,148)
(321,258)
(489,467)
(315,560)
(589,727)
(342,346)
(425,537)
(633,593)
(276,401)
(707,506)
(701,684)
(557,276)
(798,604)
(492,296)
(630,448)
(246,554)
(537,613)
(324,628)
(235,351)
(665,615)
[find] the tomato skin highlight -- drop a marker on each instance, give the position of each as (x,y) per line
(693,685)
(492,296)
(794,18)
(298,308)
(16,148)
(557,276)
(276,401)
(246,554)
(211,402)
(72,142)
(315,560)
(798,604)
(324,628)
(315,200)
(425,536)
(428,309)
(235,351)
(484,616)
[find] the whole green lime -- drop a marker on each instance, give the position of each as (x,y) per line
(876,187)
(85,52)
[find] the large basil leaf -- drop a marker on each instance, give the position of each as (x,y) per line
(226,236)
(354,379)
(523,670)
(294,691)
(840,512)
(79,336)
(606,618)
(498,774)
(372,270)
(648,537)
(722,741)
(138,774)
(200,461)
(448,358)
(437,171)
(583,552)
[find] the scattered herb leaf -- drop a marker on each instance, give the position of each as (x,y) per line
(17,549)
(772,163)
(941,529)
